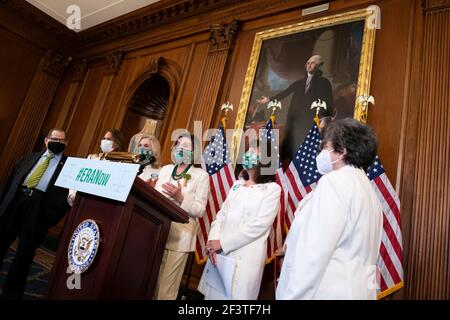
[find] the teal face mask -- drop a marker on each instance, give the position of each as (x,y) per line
(181,155)
(250,160)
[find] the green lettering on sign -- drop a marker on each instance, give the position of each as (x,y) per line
(80,173)
(93,176)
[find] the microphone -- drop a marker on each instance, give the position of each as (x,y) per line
(145,157)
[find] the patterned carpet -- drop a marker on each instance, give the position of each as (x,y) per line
(39,273)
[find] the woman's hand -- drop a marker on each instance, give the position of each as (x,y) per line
(212,257)
(174,191)
(213,246)
(150,182)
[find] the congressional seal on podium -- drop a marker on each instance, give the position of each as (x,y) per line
(83,246)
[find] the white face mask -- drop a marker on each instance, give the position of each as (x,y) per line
(106,146)
(324,163)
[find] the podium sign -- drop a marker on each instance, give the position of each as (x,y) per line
(112,180)
(116,246)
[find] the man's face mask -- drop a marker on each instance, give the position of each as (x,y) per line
(56,147)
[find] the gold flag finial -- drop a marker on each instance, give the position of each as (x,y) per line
(225,107)
(274,105)
(318,104)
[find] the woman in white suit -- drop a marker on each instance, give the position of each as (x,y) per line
(149,146)
(333,244)
(187,186)
(241,229)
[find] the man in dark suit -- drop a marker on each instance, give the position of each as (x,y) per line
(30,204)
(300,116)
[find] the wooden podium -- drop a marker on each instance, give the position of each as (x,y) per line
(132,240)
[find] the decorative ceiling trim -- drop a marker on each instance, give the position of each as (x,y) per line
(153,16)
(242,11)
(31,14)
(175,12)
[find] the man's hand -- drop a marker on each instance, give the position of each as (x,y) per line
(174,191)
(263,100)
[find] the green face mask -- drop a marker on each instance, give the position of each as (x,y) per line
(250,160)
(181,155)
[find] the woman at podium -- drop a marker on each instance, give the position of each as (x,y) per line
(188,186)
(149,151)
(241,229)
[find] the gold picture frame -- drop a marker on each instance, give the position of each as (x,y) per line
(366,18)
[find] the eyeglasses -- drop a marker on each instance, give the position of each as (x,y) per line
(56,139)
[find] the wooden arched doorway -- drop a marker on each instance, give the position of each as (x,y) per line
(149,102)
(151,99)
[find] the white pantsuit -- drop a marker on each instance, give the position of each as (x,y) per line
(333,244)
(242,226)
(182,236)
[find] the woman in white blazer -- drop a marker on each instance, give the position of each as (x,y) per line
(241,229)
(333,244)
(188,186)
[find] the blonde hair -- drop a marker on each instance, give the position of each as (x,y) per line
(155,146)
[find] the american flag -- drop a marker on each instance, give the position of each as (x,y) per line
(216,162)
(302,175)
(390,259)
(276,234)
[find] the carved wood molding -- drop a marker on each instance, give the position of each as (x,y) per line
(242,11)
(223,36)
(157,18)
(79,70)
(33,110)
(114,60)
(55,63)
(435,4)
(151,17)
(155,65)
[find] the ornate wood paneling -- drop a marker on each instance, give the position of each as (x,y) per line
(222,40)
(18,63)
(33,110)
(428,274)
